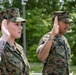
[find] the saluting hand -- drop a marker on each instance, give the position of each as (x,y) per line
(55,29)
(5,32)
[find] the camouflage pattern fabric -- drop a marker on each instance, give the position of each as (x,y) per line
(58,60)
(14,61)
(11,15)
(63,16)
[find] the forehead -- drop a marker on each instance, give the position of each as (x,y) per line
(14,22)
(60,21)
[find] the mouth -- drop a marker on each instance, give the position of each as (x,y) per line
(19,32)
(65,28)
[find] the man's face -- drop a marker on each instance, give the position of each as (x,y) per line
(63,26)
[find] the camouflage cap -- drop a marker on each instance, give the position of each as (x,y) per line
(62,15)
(11,15)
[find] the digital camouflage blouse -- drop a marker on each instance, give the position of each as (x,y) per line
(58,60)
(13,61)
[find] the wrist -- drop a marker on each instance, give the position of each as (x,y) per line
(52,35)
(50,38)
(4,38)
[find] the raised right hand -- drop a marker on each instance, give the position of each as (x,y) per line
(55,29)
(5,32)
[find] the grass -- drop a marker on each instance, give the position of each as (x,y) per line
(37,68)
(73,68)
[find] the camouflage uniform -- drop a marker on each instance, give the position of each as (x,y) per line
(58,60)
(13,61)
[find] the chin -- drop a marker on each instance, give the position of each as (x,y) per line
(62,33)
(18,36)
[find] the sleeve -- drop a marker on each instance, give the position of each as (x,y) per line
(42,41)
(2,45)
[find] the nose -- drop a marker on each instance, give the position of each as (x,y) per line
(20,27)
(66,24)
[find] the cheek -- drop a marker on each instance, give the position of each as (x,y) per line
(61,28)
(11,29)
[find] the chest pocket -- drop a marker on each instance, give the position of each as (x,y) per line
(23,57)
(62,49)
(16,62)
(59,49)
(11,60)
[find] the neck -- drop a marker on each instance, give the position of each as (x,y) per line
(60,34)
(11,41)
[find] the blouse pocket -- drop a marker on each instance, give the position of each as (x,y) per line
(15,62)
(60,50)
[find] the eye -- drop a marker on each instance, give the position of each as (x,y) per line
(66,23)
(22,23)
(16,24)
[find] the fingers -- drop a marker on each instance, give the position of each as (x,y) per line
(56,21)
(55,29)
(4,29)
(4,23)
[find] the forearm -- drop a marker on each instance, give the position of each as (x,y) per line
(3,41)
(2,44)
(43,50)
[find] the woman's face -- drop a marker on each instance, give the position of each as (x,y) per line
(15,29)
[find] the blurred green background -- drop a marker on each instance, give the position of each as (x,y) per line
(39,21)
